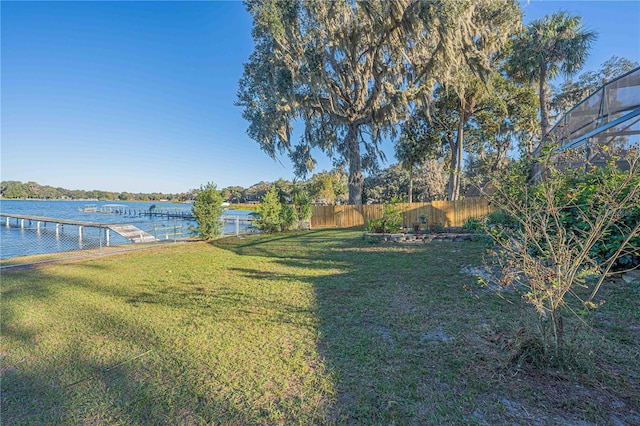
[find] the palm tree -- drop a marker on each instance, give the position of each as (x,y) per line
(416,144)
(547,47)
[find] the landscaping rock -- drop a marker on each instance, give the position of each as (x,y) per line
(412,238)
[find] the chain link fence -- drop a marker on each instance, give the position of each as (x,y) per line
(28,240)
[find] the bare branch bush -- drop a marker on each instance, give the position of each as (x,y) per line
(576,223)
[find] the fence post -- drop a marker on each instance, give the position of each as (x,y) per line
(237,225)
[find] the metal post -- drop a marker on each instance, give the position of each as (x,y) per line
(7,221)
(237,226)
(107,235)
(21,223)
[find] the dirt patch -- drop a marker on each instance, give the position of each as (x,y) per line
(437,335)
(554,401)
(487,275)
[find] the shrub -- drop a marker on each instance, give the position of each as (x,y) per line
(269,218)
(499,217)
(436,228)
(288,217)
(302,207)
(472,224)
(389,223)
(207,210)
(583,189)
(574,224)
(274,214)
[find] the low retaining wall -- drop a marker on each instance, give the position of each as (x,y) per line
(419,238)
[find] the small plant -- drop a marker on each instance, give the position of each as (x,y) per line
(416,229)
(472,225)
(436,228)
(499,218)
(390,222)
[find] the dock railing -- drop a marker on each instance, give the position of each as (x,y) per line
(42,238)
(36,239)
(242,224)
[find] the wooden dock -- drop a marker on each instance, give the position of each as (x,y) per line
(130,232)
(186,215)
(166,213)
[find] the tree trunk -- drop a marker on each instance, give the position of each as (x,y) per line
(456,159)
(452,169)
(460,144)
(558,333)
(356,182)
(411,183)
(544,111)
(356,179)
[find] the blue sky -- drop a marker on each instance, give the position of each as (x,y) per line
(138,96)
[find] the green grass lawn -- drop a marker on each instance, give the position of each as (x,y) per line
(318,327)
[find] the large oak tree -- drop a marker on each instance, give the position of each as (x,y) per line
(350,71)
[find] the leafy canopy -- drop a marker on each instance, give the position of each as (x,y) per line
(550,46)
(350,71)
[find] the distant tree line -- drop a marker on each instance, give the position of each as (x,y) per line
(33,190)
(327,187)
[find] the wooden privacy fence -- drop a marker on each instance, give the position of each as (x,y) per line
(445,213)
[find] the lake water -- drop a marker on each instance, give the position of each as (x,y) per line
(16,241)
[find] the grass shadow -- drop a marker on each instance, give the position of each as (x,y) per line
(316,327)
(411,339)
